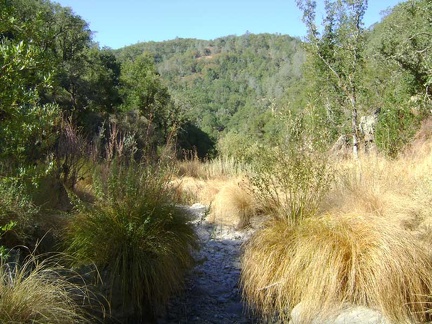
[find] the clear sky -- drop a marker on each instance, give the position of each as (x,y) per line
(118,23)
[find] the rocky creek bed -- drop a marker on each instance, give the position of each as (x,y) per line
(212,293)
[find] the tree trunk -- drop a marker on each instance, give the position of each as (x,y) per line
(354,128)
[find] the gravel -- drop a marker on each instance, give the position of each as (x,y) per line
(212,293)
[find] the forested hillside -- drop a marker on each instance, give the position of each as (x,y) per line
(228,84)
(240,90)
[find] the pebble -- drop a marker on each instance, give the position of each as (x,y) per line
(211,293)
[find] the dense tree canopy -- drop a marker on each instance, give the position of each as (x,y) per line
(228,84)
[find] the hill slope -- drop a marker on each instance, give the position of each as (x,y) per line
(230,83)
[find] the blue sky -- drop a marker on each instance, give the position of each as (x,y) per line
(118,23)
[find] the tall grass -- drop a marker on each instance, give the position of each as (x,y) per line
(332,261)
(37,291)
(135,234)
(398,189)
(221,167)
(225,166)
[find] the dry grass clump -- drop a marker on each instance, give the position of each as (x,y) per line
(393,189)
(191,190)
(219,167)
(233,205)
(362,186)
(328,262)
(226,167)
(38,292)
(399,189)
(191,168)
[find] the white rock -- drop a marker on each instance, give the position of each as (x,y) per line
(360,315)
(349,315)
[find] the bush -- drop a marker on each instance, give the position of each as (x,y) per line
(395,129)
(38,292)
(291,184)
(16,206)
(332,261)
(135,234)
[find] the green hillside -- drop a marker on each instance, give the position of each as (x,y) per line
(230,83)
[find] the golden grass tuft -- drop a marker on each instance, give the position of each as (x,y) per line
(191,190)
(226,167)
(233,205)
(362,186)
(220,167)
(328,262)
(38,292)
(398,190)
(191,168)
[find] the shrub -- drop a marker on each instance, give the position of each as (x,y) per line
(16,206)
(135,234)
(290,184)
(395,129)
(38,292)
(331,261)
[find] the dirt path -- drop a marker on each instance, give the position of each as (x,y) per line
(212,293)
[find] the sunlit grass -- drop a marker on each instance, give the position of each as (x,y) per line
(42,291)
(220,167)
(234,205)
(328,262)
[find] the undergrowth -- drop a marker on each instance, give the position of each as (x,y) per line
(290,184)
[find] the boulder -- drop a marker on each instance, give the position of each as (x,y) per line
(350,314)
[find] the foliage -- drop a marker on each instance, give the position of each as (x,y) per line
(226,83)
(405,38)
(191,138)
(398,68)
(26,125)
(135,234)
(290,183)
(4,253)
(337,55)
(16,206)
(144,92)
(336,261)
(396,127)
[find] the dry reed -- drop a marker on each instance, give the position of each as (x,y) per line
(191,190)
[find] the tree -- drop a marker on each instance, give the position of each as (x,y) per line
(143,91)
(26,125)
(399,73)
(337,51)
(406,39)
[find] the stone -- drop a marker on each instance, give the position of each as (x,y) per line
(350,314)
(211,293)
